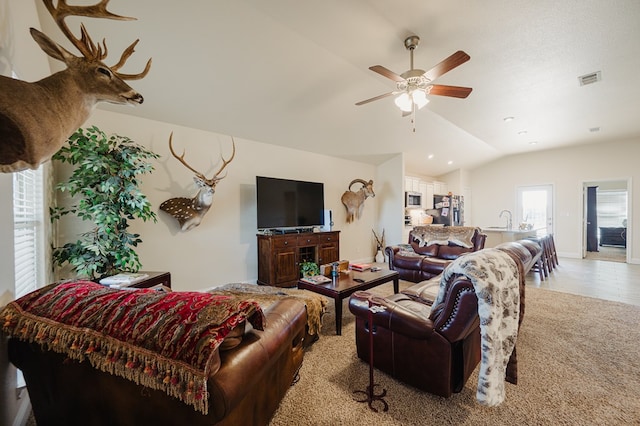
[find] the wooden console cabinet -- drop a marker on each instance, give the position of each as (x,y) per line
(279,256)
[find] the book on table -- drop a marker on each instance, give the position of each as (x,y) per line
(124,279)
(360,266)
(316,279)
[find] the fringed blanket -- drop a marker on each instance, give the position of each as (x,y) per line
(164,341)
(265,295)
(495,278)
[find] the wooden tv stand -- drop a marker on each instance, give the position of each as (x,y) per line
(279,255)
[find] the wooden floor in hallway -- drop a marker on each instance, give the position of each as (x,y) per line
(609,280)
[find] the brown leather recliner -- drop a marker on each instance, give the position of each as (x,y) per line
(421,260)
(432,348)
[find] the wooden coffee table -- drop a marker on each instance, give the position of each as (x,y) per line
(347,283)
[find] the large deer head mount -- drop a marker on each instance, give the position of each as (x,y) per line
(190,211)
(37,118)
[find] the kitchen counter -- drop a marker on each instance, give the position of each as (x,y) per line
(500,234)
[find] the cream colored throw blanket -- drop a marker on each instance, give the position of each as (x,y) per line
(495,278)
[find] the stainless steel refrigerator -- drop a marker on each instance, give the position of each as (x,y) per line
(448,210)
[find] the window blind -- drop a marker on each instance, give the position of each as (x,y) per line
(612,208)
(28,230)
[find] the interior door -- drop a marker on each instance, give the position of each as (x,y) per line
(592,218)
(535,206)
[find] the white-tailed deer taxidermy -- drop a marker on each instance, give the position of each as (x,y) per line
(190,211)
(354,201)
(37,118)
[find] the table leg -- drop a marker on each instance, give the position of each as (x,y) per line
(339,316)
(396,285)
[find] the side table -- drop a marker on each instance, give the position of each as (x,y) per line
(155,279)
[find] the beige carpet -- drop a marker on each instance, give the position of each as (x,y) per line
(578,364)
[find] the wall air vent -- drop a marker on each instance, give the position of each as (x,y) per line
(590,78)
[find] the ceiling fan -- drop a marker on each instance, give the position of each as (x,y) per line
(414,85)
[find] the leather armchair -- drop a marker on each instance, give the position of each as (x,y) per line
(432,348)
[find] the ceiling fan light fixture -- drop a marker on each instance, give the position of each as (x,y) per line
(419,97)
(404,102)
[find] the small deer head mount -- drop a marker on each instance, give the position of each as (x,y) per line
(190,211)
(37,118)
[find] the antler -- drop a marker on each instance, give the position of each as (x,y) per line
(215,177)
(181,158)
(85,44)
(225,163)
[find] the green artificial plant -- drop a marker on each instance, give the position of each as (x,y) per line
(105,190)
(309,268)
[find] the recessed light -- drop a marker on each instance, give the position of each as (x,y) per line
(594,129)
(430,156)
(522,132)
(450,162)
(507,119)
(533,143)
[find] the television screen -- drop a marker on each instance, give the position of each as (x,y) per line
(284,203)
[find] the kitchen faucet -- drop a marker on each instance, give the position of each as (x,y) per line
(509,218)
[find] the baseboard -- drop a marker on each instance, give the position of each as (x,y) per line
(24,409)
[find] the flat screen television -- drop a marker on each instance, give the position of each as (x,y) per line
(285,203)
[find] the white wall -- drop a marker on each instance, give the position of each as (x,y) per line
(223,248)
(494,186)
(388,186)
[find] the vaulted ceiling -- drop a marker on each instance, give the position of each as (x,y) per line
(289,72)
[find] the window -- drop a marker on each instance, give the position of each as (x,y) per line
(612,208)
(28,234)
(535,206)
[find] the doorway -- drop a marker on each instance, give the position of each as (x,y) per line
(606,209)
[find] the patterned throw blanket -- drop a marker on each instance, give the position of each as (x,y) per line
(443,235)
(266,295)
(495,278)
(164,341)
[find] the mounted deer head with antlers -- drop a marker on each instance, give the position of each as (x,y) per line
(37,118)
(190,211)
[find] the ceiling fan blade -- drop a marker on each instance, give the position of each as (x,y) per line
(447,65)
(366,101)
(386,73)
(453,91)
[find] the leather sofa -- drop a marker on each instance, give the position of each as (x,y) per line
(433,348)
(247,389)
(430,249)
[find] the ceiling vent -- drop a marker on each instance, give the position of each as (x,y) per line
(591,78)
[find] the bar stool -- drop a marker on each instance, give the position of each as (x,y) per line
(554,253)
(543,264)
(536,252)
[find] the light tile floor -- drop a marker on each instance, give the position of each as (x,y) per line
(601,279)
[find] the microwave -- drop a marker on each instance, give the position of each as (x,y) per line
(412,199)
